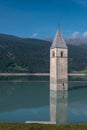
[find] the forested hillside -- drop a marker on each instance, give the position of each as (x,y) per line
(33,55)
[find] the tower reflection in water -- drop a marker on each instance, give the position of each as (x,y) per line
(58,105)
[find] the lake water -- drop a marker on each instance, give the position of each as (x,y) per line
(30,99)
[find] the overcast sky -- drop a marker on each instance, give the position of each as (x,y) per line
(39,18)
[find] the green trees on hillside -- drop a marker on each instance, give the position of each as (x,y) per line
(33,55)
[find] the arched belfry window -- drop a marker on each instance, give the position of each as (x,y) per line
(61,53)
(53,54)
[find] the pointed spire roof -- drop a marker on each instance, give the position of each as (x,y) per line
(58,41)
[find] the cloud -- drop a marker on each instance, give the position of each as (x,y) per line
(34,34)
(75,35)
(85,34)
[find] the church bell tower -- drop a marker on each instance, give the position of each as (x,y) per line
(58,63)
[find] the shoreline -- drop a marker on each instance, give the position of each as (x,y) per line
(39,74)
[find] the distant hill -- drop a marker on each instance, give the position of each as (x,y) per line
(33,55)
(78,42)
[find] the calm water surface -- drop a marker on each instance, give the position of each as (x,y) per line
(32,100)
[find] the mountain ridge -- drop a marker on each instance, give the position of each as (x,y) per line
(33,55)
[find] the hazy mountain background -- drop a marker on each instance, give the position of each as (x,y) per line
(33,55)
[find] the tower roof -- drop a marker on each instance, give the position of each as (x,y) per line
(58,41)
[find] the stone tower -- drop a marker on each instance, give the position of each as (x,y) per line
(59,63)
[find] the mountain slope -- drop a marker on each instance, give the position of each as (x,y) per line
(33,55)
